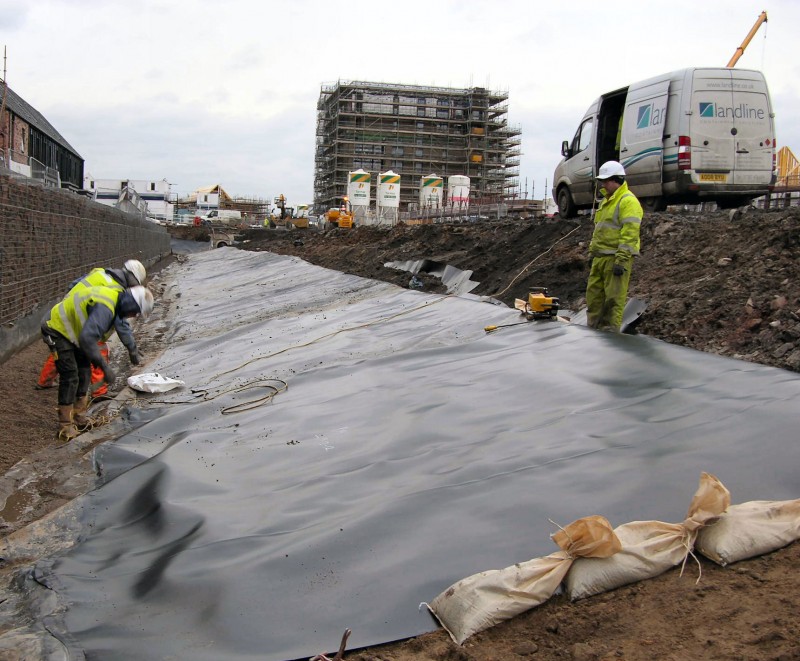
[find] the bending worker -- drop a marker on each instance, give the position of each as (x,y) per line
(615,242)
(131,274)
(72,330)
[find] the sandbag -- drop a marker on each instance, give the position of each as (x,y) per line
(482,600)
(750,529)
(649,548)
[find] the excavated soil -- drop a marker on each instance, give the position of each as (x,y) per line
(722,282)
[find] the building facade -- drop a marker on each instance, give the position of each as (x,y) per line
(30,146)
(156,194)
(414,131)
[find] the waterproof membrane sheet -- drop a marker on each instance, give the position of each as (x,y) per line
(410,449)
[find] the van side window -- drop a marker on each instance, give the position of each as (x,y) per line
(582,137)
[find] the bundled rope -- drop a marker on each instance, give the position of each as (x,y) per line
(204,394)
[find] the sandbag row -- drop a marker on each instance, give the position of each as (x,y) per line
(595,558)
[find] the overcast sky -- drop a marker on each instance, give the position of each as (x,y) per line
(200,92)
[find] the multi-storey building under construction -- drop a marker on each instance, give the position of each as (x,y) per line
(414,131)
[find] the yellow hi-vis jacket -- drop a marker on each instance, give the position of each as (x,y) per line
(69,316)
(616,226)
(99,278)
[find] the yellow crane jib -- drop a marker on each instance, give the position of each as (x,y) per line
(762,18)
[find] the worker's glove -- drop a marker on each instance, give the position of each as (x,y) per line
(135,356)
(108,374)
(618,269)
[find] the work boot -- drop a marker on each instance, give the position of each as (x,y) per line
(79,414)
(66,428)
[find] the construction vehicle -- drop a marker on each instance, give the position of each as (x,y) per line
(341,216)
(223,216)
(286,216)
(684,137)
(762,18)
(278,216)
(297,217)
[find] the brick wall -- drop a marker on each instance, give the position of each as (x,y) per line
(49,237)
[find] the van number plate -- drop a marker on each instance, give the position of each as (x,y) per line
(714,177)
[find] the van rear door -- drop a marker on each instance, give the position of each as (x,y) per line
(731,127)
(711,127)
(754,142)
(642,143)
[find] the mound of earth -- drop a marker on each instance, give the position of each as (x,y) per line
(723,282)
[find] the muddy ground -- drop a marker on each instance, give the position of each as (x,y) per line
(722,282)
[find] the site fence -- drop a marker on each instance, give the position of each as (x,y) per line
(27,166)
(782,197)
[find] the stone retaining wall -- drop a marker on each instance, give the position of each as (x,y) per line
(49,238)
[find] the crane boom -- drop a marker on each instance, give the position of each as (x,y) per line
(762,18)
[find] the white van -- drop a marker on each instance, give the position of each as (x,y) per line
(683,137)
(224,216)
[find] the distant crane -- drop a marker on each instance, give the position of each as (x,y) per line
(762,18)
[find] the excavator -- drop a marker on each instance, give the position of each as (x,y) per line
(762,18)
(272,220)
(287,216)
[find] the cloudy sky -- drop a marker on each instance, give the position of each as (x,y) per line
(200,92)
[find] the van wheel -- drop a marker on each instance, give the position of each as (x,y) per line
(221,244)
(654,203)
(566,207)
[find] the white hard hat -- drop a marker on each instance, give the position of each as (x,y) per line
(136,269)
(144,299)
(611,169)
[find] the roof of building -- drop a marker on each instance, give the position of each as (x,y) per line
(20,107)
(216,189)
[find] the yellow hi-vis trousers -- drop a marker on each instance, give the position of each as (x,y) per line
(606,294)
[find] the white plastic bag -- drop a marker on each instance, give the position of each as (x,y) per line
(153,382)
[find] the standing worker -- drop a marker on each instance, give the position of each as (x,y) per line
(72,331)
(131,274)
(615,242)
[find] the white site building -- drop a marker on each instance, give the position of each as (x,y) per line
(152,197)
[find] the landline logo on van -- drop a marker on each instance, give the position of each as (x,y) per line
(649,116)
(741,111)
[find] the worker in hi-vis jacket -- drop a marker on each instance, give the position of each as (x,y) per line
(73,330)
(131,274)
(615,242)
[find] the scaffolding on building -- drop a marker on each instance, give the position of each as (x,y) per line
(255,209)
(414,130)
